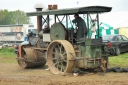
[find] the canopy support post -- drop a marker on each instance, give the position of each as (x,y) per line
(98,24)
(88,24)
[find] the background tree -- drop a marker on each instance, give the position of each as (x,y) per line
(13,17)
(4,17)
(20,17)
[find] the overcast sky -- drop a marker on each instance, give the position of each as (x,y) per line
(28,5)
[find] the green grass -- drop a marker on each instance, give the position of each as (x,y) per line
(121,60)
(6,51)
(8,56)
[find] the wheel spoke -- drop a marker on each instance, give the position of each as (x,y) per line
(53,53)
(56,63)
(56,51)
(65,61)
(60,48)
(64,53)
(62,67)
(57,66)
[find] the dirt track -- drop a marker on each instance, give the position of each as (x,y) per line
(12,74)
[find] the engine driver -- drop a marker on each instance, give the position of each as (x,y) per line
(82,29)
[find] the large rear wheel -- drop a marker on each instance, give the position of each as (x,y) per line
(60,57)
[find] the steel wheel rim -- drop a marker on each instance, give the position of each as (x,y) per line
(58,57)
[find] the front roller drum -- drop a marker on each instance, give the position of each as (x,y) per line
(59,58)
(29,59)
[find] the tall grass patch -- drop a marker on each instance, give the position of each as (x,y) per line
(6,51)
(7,55)
(121,60)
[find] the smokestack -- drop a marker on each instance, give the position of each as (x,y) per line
(39,9)
(39,6)
(39,20)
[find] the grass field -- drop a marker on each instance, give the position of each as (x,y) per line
(121,60)
(8,56)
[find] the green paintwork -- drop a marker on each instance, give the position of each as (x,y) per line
(80,10)
(90,53)
(57,32)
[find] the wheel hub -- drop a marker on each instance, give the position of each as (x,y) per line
(60,57)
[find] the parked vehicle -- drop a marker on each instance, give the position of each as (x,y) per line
(15,34)
(5,44)
(116,43)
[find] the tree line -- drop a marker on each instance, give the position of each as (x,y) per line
(13,17)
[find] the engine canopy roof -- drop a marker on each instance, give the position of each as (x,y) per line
(70,11)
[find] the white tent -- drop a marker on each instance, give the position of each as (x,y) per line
(115,19)
(118,20)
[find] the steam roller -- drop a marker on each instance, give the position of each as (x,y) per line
(31,58)
(59,42)
(58,58)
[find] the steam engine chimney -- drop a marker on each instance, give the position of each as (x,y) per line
(39,20)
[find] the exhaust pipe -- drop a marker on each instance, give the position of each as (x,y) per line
(39,20)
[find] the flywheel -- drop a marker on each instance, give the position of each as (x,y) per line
(58,32)
(60,57)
